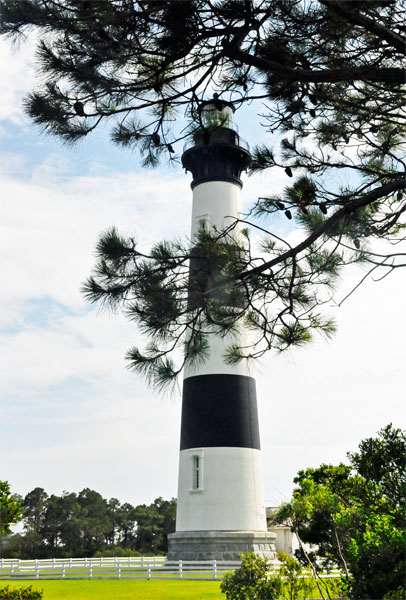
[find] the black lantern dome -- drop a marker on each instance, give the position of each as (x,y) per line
(216,152)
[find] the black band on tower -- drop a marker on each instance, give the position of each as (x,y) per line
(219,410)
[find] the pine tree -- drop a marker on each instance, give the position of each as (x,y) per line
(330,74)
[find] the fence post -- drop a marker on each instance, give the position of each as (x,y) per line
(149,571)
(180,566)
(142,561)
(215,569)
(36,570)
(63,571)
(90,571)
(118,571)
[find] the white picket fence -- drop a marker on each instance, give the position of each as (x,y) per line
(143,567)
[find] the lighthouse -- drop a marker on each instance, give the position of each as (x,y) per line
(220,509)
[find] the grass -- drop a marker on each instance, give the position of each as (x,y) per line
(125,590)
(110,589)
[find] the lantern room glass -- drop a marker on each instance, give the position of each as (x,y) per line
(213,117)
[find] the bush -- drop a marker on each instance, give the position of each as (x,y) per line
(117,551)
(295,586)
(20,593)
(399,594)
(251,581)
(255,580)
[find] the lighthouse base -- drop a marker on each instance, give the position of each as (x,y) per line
(219,545)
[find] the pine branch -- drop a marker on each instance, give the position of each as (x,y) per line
(347,74)
(348,209)
(356,17)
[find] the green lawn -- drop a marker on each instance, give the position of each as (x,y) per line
(111,589)
(125,590)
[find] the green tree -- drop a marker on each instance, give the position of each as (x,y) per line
(10,508)
(167,510)
(58,520)
(125,517)
(154,522)
(68,530)
(355,514)
(327,78)
(113,508)
(33,506)
(77,524)
(94,521)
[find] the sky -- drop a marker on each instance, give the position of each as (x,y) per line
(71,414)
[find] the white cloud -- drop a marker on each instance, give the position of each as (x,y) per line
(50,225)
(16,78)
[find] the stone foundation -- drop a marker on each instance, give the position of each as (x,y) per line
(219,545)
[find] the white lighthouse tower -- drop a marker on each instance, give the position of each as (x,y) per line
(221,510)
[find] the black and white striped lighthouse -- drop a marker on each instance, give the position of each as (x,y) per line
(221,510)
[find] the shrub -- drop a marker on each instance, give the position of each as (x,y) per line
(399,594)
(295,586)
(251,581)
(20,593)
(117,551)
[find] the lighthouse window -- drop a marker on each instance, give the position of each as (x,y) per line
(196,473)
(203,224)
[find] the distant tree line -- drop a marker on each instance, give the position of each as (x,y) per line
(86,524)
